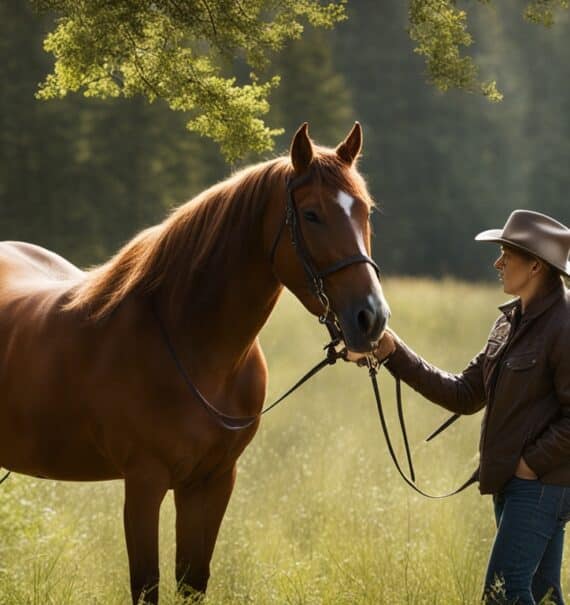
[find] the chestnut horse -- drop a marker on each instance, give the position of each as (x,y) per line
(89,390)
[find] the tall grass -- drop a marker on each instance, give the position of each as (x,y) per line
(319,515)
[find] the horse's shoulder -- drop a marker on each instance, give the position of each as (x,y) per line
(255,357)
(22,260)
(253,374)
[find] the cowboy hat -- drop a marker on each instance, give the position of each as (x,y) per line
(537,234)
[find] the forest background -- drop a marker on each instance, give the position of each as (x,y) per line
(318,515)
(81,176)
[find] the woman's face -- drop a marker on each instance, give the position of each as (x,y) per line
(515,270)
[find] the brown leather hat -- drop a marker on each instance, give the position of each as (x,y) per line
(536,234)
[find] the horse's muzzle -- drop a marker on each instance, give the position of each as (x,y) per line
(363,323)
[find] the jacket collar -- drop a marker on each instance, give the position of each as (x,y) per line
(536,307)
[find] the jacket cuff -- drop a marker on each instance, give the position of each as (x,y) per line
(401,360)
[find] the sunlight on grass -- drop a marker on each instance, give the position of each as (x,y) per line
(319,514)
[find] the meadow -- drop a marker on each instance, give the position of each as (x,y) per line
(319,514)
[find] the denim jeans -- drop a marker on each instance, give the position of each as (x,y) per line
(527,552)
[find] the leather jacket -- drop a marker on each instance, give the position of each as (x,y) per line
(522,379)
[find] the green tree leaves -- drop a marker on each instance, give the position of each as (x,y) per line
(180,52)
(81,176)
(542,11)
(439,28)
(184,53)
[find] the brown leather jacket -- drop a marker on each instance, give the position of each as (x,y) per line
(522,378)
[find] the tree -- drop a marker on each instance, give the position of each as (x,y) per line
(312,90)
(444,166)
(81,176)
(179,52)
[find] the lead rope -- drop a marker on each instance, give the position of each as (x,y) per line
(237,423)
(5,477)
(403,427)
(444,426)
(372,372)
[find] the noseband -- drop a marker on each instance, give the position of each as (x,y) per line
(314,276)
(329,318)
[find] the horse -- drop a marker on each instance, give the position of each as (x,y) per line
(89,389)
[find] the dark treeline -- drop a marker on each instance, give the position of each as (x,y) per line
(81,176)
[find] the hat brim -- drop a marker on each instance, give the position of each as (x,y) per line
(495,235)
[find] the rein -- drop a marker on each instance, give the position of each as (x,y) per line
(372,371)
(329,318)
(238,423)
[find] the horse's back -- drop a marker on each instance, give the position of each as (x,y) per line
(22,261)
(43,372)
(32,280)
(33,283)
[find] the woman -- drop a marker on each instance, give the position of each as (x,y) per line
(522,378)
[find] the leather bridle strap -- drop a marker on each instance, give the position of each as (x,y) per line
(5,477)
(289,204)
(345,262)
(314,276)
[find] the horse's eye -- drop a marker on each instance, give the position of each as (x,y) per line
(311,216)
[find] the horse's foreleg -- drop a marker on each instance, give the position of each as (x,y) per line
(199,513)
(144,492)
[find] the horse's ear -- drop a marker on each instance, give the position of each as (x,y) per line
(350,148)
(301,149)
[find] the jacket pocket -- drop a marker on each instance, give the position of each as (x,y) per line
(522,362)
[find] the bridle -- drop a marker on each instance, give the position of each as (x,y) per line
(329,318)
(314,276)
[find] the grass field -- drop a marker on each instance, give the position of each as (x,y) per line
(319,514)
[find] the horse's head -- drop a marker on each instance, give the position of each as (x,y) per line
(322,252)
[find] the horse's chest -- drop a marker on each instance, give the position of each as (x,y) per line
(207,458)
(192,437)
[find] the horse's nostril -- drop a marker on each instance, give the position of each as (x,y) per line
(366,320)
(371,322)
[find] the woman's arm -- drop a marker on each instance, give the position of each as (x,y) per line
(462,393)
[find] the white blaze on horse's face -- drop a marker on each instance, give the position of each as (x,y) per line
(346,202)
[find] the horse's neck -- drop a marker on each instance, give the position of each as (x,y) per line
(225,309)
(220,331)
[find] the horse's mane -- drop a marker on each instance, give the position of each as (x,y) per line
(195,239)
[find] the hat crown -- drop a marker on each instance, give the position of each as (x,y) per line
(527,222)
(537,233)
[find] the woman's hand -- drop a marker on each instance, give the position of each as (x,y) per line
(386,346)
(524,471)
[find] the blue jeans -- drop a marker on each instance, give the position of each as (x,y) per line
(527,552)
